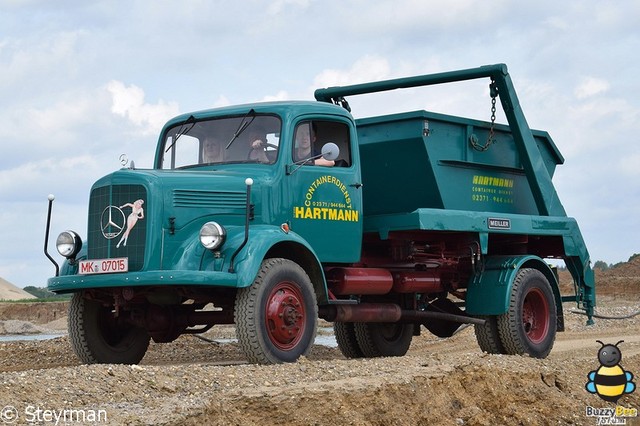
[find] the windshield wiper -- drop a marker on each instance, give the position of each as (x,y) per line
(243,126)
(182,131)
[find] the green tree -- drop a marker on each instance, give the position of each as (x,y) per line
(602,265)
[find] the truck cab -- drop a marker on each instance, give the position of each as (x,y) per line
(289,189)
(146,227)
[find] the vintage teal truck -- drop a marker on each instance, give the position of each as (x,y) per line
(272,215)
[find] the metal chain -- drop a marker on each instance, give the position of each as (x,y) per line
(493,91)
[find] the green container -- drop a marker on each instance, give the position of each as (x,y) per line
(440,161)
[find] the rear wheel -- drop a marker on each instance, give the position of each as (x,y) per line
(97,336)
(529,326)
(276,317)
(488,336)
(383,339)
(346,337)
(439,327)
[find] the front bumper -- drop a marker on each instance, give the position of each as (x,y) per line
(72,283)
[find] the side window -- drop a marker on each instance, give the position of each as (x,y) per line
(180,154)
(311,136)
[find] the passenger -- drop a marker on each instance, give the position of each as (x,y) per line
(212,151)
(306,144)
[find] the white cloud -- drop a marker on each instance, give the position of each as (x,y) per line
(222,101)
(557,23)
(25,58)
(129,102)
(367,68)
(278,6)
(44,176)
(280,96)
(61,120)
(630,167)
(70,120)
(409,16)
(591,86)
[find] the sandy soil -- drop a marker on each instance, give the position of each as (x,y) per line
(440,381)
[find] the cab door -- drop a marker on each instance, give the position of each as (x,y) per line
(326,199)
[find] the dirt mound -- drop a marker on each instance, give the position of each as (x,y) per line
(621,281)
(37,313)
(476,390)
(625,269)
(9,291)
(19,327)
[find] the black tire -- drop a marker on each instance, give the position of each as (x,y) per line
(529,326)
(383,339)
(488,336)
(346,337)
(439,327)
(97,338)
(276,317)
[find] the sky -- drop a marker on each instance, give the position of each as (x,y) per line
(82,82)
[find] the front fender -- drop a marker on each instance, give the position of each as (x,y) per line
(263,240)
(489,292)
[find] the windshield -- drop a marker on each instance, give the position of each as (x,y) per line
(243,139)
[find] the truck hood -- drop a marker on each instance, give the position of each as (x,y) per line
(183,197)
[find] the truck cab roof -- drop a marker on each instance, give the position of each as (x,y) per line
(281,108)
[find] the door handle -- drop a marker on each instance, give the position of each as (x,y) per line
(357,185)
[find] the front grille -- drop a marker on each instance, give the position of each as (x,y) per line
(117,223)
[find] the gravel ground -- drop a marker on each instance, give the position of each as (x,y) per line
(440,381)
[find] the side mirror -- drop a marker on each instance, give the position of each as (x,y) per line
(330,151)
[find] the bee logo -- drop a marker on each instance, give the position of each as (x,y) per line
(610,381)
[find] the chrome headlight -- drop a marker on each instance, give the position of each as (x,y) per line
(212,235)
(68,244)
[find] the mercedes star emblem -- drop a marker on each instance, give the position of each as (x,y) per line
(112,222)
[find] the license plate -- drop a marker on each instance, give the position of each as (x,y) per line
(103,266)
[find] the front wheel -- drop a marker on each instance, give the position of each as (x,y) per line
(529,326)
(97,337)
(276,317)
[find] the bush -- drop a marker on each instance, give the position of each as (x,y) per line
(600,265)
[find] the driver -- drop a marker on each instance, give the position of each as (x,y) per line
(257,144)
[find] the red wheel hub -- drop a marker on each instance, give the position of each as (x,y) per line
(535,316)
(285,315)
